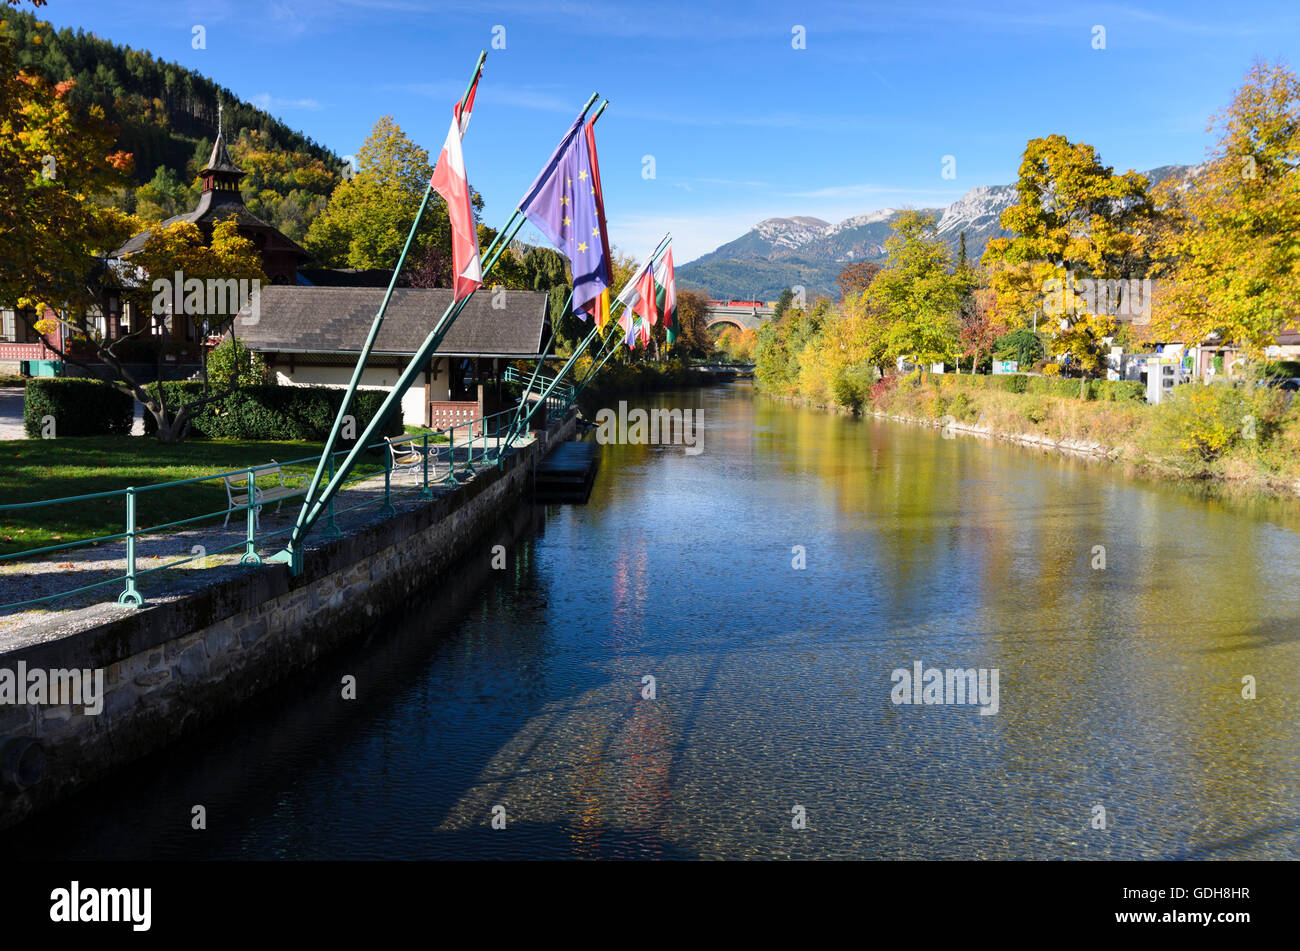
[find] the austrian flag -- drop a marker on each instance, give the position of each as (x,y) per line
(450,182)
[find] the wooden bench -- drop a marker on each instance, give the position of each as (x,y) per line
(237,487)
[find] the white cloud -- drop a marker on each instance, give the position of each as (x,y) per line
(693,235)
(268,103)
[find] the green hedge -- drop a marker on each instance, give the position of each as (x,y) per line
(1111,391)
(268,412)
(79,407)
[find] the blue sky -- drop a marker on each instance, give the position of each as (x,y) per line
(742,126)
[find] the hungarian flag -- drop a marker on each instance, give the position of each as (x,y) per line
(449,181)
(598,307)
(666,295)
(633,297)
(645,304)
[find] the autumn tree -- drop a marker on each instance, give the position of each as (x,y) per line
(1075,220)
(692,318)
(1236,260)
(203,305)
(58,164)
(916,294)
(856,277)
(981,326)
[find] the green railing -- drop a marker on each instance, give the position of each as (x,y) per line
(458,458)
(564,390)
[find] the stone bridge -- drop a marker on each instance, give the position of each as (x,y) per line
(741,314)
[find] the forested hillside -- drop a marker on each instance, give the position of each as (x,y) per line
(166,117)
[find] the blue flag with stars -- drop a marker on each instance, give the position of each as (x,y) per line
(562,205)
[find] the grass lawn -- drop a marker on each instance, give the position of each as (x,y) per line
(34,469)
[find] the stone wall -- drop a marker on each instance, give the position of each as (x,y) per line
(173,666)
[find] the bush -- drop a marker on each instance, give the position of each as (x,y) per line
(1117,391)
(267,412)
(1199,422)
(80,408)
(1034,408)
(230,357)
(962,409)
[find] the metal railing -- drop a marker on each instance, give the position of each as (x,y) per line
(563,390)
(460,458)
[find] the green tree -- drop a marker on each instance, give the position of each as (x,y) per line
(917,294)
(369,217)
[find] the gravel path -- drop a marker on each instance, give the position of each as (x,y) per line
(79,567)
(11,413)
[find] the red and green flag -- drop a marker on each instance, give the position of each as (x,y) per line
(666,295)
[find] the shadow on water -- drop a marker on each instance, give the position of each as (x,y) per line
(251,766)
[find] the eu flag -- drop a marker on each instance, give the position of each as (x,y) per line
(562,205)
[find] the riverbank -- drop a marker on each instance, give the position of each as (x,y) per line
(1218,435)
(199,655)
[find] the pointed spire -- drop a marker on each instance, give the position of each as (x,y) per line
(221,173)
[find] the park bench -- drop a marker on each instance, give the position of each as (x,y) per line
(237,486)
(405,455)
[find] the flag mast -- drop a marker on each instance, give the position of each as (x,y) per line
(312,510)
(300,528)
(582,347)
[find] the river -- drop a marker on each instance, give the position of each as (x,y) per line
(520,694)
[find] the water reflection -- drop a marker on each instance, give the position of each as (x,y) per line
(522,689)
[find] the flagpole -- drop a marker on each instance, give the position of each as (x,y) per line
(375,324)
(403,383)
(587,341)
(536,370)
(313,509)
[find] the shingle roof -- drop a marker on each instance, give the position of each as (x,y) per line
(337,319)
(220,160)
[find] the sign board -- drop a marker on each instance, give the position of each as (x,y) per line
(1006,366)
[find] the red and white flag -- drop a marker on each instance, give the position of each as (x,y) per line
(450,182)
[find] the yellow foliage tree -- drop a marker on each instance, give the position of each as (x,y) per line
(1236,248)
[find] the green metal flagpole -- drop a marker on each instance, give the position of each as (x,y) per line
(312,510)
(655,255)
(299,528)
(582,385)
(581,348)
(528,388)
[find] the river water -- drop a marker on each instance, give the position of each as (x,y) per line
(519,693)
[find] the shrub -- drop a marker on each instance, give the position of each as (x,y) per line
(230,356)
(1117,391)
(1034,408)
(1012,382)
(881,389)
(961,408)
(80,407)
(1199,422)
(265,412)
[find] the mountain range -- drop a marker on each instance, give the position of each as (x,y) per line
(784,252)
